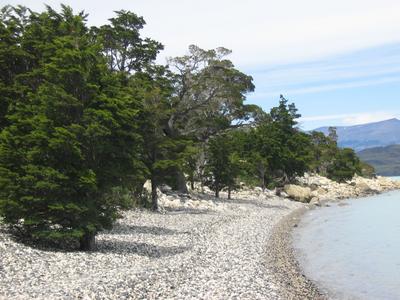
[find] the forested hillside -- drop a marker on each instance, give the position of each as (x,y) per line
(87,117)
(386,160)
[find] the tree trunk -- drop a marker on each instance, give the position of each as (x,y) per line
(87,242)
(154,197)
(263,183)
(192,185)
(181,182)
(180,177)
(201,166)
(261,173)
(229,192)
(216,190)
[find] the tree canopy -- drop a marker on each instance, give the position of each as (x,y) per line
(72,133)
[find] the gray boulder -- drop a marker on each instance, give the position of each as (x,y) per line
(298,193)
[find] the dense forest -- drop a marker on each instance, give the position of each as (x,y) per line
(87,116)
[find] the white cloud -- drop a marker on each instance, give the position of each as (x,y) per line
(370,67)
(258,31)
(324,87)
(352,66)
(353,119)
(267,33)
(343,85)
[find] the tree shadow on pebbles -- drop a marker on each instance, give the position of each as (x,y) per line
(126,247)
(142,249)
(133,230)
(239,201)
(188,211)
(256,203)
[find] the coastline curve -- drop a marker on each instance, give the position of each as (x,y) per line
(285,267)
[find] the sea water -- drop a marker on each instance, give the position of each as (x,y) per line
(353,251)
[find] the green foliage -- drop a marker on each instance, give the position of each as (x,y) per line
(345,165)
(335,163)
(323,150)
(279,151)
(14,60)
(367,170)
(164,155)
(208,94)
(223,163)
(123,46)
(72,135)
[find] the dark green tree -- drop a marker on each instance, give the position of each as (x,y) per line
(280,150)
(344,165)
(367,170)
(259,150)
(323,149)
(14,59)
(72,136)
(335,163)
(223,163)
(125,49)
(163,154)
(132,58)
(209,94)
(332,134)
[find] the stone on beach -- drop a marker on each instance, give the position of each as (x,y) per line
(299,193)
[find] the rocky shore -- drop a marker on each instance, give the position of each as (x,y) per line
(196,247)
(318,191)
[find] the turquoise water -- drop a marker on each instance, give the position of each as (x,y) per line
(353,251)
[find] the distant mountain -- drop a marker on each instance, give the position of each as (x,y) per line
(359,137)
(386,160)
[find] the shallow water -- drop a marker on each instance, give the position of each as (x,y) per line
(353,251)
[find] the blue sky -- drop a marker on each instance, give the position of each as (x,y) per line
(352,88)
(338,60)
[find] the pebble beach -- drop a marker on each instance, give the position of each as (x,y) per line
(194,248)
(178,254)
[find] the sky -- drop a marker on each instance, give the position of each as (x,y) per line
(337,60)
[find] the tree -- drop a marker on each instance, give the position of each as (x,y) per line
(72,136)
(280,150)
(323,149)
(132,58)
(14,60)
(208,96)
(366,170)
(125,49)
(344,166)
(163,155)
(258,152)
(332,134)
(223,163)
(335,163)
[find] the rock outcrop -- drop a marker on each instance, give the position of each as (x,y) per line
(325,189)
(309,189)
(299,193)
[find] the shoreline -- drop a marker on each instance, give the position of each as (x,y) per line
(196,247)
(283,259)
